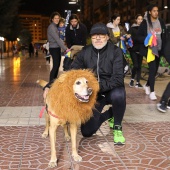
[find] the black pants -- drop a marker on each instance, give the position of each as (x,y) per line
(137,63)
(166,94)
(115,97)
(153,68)
(56,56)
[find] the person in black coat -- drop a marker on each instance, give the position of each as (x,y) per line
(106,60)
(134,53)
(76,32)
(155,25)
(164,103)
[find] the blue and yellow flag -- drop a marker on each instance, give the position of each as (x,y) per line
(151,42)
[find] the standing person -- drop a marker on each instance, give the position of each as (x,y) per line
(76,32)
(55,44)
(47,53)
(134,53)
(31,50)
(165,99)
(118,33)
(106,61)
(154,25)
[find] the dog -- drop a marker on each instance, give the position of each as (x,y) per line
(70,99)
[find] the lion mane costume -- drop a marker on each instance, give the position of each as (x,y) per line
(62,101)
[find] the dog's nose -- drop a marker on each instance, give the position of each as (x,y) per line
(89,90)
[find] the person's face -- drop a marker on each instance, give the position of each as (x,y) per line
(74,22)
(116,21)
(99,40)
(61,24)
(154,13)
(56,19)
(139,20)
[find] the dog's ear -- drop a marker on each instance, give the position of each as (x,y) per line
(42,83)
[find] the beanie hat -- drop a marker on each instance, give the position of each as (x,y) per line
(99,28)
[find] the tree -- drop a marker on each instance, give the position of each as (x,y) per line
(14,30)
(8,11)
(25,37)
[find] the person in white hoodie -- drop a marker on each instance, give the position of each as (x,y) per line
(116,31)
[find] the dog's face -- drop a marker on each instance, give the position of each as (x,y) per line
(81,90)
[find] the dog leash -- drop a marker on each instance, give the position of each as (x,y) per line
(42,111)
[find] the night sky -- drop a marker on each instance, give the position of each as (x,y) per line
(44,7)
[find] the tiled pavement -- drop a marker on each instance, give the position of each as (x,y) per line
(147,131)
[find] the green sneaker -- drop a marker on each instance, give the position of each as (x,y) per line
(118,135)
(111,122)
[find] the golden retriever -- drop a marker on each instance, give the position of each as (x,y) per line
(70,99)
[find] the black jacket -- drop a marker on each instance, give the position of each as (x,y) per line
(106,63)
(167,50)
(133,31)
(142,33)
(76,36)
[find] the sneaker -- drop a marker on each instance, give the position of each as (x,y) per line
(138,85)
(161,106)
(111,122)
(131,84)
(126,69)
(152,96)
(168,106)
(118,135)
(147,89)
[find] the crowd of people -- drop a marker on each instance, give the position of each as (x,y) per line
(105,58)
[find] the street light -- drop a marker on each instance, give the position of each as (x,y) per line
(1,39)
(70,2)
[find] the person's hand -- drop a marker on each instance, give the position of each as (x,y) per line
(67,50)
(45,93)
(122,38)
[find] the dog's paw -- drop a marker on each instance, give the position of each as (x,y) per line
(67,138)
(44,135)
(52,164)
(77,158)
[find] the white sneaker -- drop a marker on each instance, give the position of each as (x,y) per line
(147,89)
(152,96)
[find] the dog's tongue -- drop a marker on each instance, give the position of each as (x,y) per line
(85,97)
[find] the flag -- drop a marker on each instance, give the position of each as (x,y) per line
(151,42)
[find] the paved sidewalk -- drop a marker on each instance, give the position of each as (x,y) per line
(147,131)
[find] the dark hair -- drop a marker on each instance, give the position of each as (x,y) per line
(138,15)
(114,16)
(53,15)
(74,16)
(149,9)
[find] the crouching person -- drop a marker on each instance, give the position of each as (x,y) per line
(106,61)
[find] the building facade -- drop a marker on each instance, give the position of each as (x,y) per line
(36,24)
(101,10)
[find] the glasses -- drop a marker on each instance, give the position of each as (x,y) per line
(95,36)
